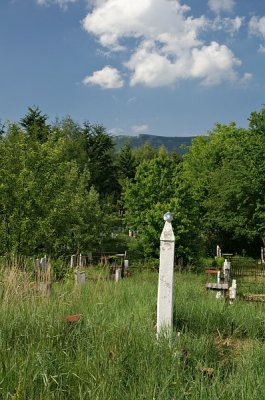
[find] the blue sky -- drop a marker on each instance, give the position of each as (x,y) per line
(163,67)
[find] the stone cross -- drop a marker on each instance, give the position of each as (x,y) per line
(165,281)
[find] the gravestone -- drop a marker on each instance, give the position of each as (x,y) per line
(165,281)
(43,275)
(80,277)
(73,261)
(218,251)
(226,269)
(117,274)
(43,264)
(232,291)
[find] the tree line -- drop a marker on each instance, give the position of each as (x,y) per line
(64,189)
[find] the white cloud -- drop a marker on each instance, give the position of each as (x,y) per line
(140,128)
(247,77)
(61,3)
(166,44)
(214,64)
(116,19)
(221,5)
(106,78)
(257,26)
(229,25)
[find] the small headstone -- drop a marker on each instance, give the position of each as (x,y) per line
(117,274)
(232,291)
(126,264)
(226,269)
(219,293)
(43,264)
(218,251)
(80,277)
(72,261)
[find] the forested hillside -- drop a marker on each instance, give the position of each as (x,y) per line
(64,189)
(175,143)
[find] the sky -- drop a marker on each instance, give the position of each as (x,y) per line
(161,67)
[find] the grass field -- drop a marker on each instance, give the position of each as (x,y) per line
(216,352)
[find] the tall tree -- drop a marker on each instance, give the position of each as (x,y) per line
(35,124)
(126,163)
(225,175)
(156,190)
(45,203)
(99,149)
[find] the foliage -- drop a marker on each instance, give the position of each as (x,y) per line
(45,203)
(126,163)
(100,159)
(224,173)
(155,190)
(35,124)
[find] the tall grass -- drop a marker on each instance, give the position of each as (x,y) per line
(217,350)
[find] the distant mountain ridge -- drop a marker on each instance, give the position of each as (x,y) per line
(171,143)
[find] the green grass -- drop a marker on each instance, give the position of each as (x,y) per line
(112,352)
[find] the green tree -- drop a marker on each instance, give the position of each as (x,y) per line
(224,173)
(35,124)
(126,163)
(156,190)
(144,153)
(45,203)
(99,148)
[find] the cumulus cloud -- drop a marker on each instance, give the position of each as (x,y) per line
(140,128)
(218,6)
(165,41)
(106,78)
(257,26)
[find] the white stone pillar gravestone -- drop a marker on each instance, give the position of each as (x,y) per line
(117,274)
(165,281)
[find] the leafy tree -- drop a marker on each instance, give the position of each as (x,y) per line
(156,190)
(45,203)
(225,175)
(257,121)
(144,153)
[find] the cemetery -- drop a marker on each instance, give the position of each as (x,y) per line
(131,274)
(105,334)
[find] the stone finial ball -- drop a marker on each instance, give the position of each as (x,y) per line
(168,217)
